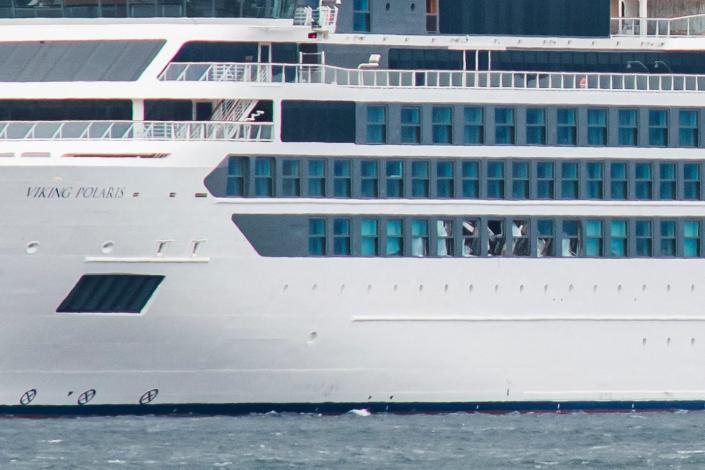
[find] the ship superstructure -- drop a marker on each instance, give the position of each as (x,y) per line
(399,205)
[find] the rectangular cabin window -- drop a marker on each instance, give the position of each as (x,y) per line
(567,127)
(410,125)
(593,238)
(644,238)
(471,237)
(432,16)
(667,181)
(444,238)
(688,128)
(369,179)
(419,179)
(597,127)
(317,237)
(474,131)
(536,126)
(628,127)
(495,180)
(445,177)
(618,238)
(395,238)
(369,237)
(419,238)
(316,178)
(442,124)
(342,178)
(546,238)
(497,238)
(691,181)
(691,238)
(545,180)
(520,180)
(658,128)
(237,176)
(571,238)
(504,126)
(520,237)
(643,184)
(361,16)
(471,180)
(595,180)
(341,237)
(376,124)
(570,180)
(619,189)
(395,178)
(667,235)
(264,181)
(291,178)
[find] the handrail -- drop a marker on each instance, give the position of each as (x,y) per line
(135,130)
(682,26)
(374,78)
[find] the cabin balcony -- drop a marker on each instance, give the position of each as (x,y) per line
(374,78)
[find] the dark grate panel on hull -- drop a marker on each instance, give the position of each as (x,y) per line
(110,293)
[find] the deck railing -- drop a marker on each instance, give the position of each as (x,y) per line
(682,26)
(134,130)
(326,74)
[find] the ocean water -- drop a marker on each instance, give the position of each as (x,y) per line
(462,441)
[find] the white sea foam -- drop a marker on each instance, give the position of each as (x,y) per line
(360,412)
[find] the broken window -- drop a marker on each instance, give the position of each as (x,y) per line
(495,237)
(444,238)
(520,238)
(571,238)
(471,237)
(419,237)
(395,240)
(546,238)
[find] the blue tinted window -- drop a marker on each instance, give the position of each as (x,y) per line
(566,131)
(376,124)
(597,127)
(535,126)
(291,178)
(520,180)
(474,126)
(691,181)
(593,238)
(369,179)
(444,179)
(569,180)
(658,128)
(368,237)
(395,238)
(317,237)
(342,178)
(668,238)
(442,125)
(545,243)
(316,178)
(618,181)
(594,180)
(419,237)
(691,238)
(618,238)
(361,15)
(264,177)
(471,180)
(628,127)
(495,180)
(341,237)
(545,180)
(504,126)
(395,178)
(644,238)
(667,181)
(419,179)
(688,128)
(410,125)
(237,176)
(643,185)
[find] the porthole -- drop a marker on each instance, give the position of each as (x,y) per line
(312,336)
(413,6)
(32,248)
(387,6)
(107,247)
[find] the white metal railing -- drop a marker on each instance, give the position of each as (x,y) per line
(322,18)
(326,74)
(134,130)
(693,25)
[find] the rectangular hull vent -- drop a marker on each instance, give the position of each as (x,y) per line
(110,293)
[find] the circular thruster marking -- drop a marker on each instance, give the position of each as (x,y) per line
(86,396)
(149,396)
(28,396)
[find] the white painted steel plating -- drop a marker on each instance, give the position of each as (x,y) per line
(135,130)
(330,75)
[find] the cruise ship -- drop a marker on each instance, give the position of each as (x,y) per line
(233,206)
